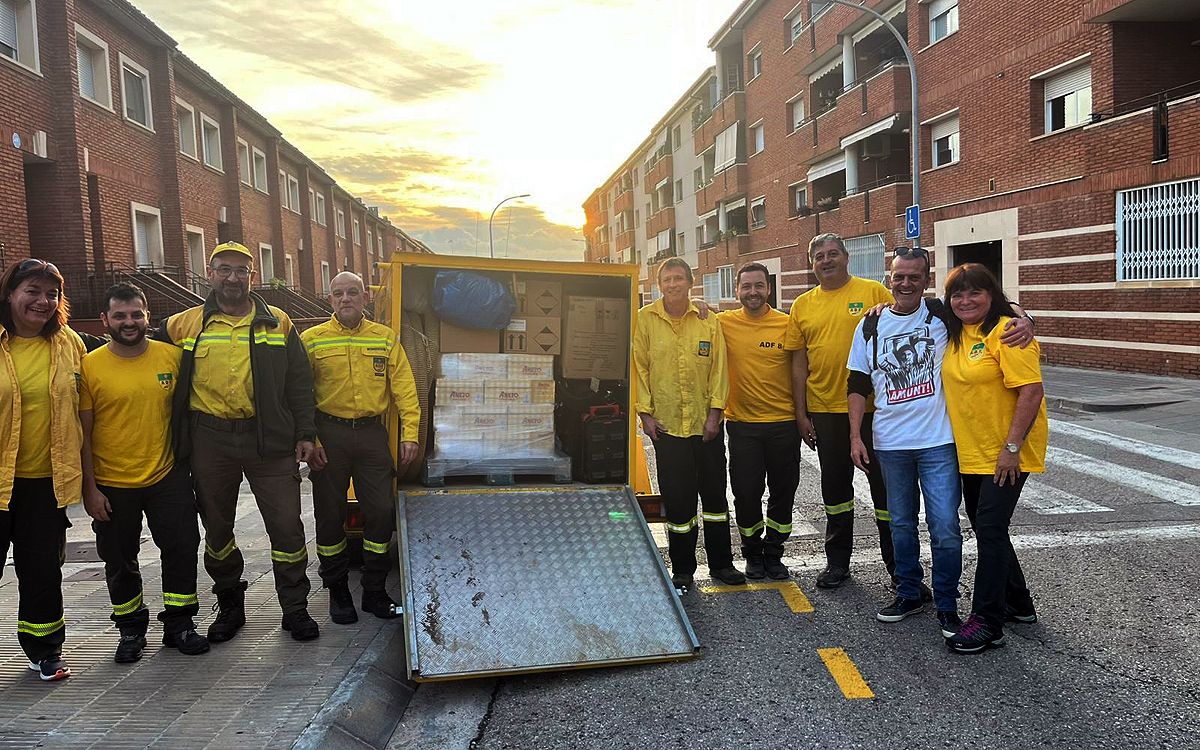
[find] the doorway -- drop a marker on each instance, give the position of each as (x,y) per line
(987,254)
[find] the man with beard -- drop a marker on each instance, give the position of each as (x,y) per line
(129,470)
(359,368)
(244,406)
(760,419)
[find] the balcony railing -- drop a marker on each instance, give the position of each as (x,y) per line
(1145,102)
(889,63)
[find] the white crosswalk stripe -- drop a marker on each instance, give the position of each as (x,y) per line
(1183,458)
(1046,500)
(1164,488)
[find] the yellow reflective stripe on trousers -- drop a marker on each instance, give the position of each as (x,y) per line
(129,607)
(683,528)
(749,531)
(329,550)
(179,600)
(376,547)
(289,557)
(883,515)
(782,528)
(40,629)
(223,553)
(833,510)
(715,517)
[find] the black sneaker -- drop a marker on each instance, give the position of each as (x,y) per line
(129,648)
(51,669)
(683,584)
(379,604)
(975,636)
(729,575)
(899,609)
(832,577)
(776,570)
(302,626)
(341,604)
(187,641)
(754,567)
(950,622)
(1023,616)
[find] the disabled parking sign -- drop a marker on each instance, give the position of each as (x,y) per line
(912,222)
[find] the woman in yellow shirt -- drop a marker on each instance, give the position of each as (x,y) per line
(998,413)
(40,471)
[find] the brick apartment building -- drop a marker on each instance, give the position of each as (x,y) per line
(122,158)
(1059,143)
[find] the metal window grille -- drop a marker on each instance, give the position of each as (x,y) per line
(866,256)
(725,282)
(1158,232)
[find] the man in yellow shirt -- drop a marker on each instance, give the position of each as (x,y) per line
(760,418)
(682,387)
(129,470)
(359,368)
(244,406)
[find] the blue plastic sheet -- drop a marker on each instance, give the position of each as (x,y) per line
(472,300)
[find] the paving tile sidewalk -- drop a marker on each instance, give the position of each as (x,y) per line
(1172,403)
(260,690)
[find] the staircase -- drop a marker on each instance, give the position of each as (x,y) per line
(165,295)
(299,305)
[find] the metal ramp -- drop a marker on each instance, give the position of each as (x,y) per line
(519,580)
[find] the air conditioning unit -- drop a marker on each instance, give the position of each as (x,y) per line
(877,147)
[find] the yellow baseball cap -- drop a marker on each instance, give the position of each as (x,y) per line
(231,247)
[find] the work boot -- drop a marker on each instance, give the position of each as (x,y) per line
(129,649)
(682,583)
(187,641)
(832,577)
(341,604)
(775,569)
(379,604)
(754,567)
(728,575)
(302,626)
(231,613)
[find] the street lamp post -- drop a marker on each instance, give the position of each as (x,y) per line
(491,242)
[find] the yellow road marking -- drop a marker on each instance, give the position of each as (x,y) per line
(844,673)
(791,593)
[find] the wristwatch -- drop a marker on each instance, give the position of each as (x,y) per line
(1012,447)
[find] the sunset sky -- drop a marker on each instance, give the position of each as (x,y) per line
(437,110)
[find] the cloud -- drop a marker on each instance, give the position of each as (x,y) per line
(373,168)
(520,232)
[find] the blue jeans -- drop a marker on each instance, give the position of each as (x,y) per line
(936,470)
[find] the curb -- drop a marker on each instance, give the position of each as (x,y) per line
(1059,403)
(365,709)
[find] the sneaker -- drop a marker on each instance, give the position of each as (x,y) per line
(379,604)
(950,622)
(129,648)
(301,625)
(341,604)
(51,669)
(975,636)
(683,584)
(832,577)
(187,641)
(729,575)
(899,609)
(1026,617)
(776,570)
(754,567)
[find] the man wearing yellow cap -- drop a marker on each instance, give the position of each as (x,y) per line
(244,406)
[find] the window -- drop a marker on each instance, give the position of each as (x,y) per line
(312,203)
(799,199)
(663,242)
(289,270)
(757,136)
(678,191)
(698,178)
(756,64)
(186,116)
(944,136)
(795,113)
(260,170)
(357,233)
(758,213)
(283,196)
(293,194)
(726,148)
(795,25)
(18,32)
(712,289)
(266,257)
(91,57)
(676,138)
(196,258)
(370,241)
(943,19)
(1068,98)
(680,243)
(725,283)
(135,93)
(1158,232)
(637,218)
(210,137)
(146,224)
(243,150)
(866,256)
(340,225)
(379,243)
(325,274)
(319,211)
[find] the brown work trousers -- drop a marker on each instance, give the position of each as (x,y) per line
(219,459)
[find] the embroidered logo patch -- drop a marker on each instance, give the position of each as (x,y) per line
(704,348)
(976,352)
(380,364)
(165,379)
(854,308)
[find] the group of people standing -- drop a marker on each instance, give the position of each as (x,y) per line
(936,399)
(165,427)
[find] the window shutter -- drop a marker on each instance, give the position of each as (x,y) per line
(938,7)
(1066,82)
(8,24)
(87,74)
(943,128)
(142,239)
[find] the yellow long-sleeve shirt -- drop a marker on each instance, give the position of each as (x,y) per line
(681,370)
(356,370)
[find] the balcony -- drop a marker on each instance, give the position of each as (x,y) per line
(660,168)
(728,183)
(623,202)
(664,219)
(724,251)
(625,240)
(729,110)
(885,91)
(872,209)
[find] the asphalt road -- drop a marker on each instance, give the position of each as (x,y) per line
(1110,541)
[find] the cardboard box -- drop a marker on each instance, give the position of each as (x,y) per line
(530,367)
(459,392)
(536,297)
(541,392)
(474,366)
(506,392)
(597,340)
(531,419)
(452,338)
(533,334)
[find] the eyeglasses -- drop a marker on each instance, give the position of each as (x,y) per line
(30,265)
(225,272)
(911,252)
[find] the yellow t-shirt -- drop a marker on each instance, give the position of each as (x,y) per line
(222,383)
(980,378)
(823,323)
(31,358)
(760,371)
(130,401)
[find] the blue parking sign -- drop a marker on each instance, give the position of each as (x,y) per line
(912,222)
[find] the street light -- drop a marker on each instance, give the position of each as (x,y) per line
(491,243)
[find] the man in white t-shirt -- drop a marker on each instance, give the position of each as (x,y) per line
(901,363)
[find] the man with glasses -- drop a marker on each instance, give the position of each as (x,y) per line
(244,406)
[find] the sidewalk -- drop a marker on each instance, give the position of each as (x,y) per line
(1172,403)
(260,690)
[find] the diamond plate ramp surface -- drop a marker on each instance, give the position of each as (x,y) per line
(511,581)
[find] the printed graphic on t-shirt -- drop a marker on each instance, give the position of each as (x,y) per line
(907,360)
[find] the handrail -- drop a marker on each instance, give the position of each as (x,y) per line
(1149,100)
(892,62)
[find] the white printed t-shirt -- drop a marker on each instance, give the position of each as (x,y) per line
(910,406)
